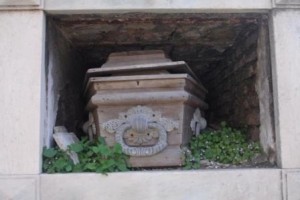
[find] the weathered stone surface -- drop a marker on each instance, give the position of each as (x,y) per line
(129,58)
(146,82)
(286,84)
(254,133)
(253,117)
(170,156)
(170,105)
(265,94)
(231,84)
(145,114)
(88,6)
(237,184)
(287,3)
(63,139)
(22,91)
(19,3)
(291,184)
(19,188)
(166,67)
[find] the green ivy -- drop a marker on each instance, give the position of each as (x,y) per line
(227,146)
(93,157)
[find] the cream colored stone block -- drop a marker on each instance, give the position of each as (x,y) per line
(291,184)
(249,184)
(21,50)
(286,71)
(19,2)
(287,2)
(81,6)
(18,188)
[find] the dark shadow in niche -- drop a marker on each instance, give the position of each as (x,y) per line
(229,53)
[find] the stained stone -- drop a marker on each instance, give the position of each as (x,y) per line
(150,115)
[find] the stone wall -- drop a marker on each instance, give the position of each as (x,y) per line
(65,75)
(22,93)
(22,111)
(232,85)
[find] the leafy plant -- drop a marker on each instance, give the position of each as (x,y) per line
(93,157)
(191,161)
(227,146)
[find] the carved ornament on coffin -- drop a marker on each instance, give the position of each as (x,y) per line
(89,127)
(141,131)
(198,123)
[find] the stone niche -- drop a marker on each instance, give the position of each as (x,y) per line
(229,53)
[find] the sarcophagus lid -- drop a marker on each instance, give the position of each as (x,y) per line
(140,63)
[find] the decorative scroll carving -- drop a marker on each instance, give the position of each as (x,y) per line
(140,126)
(198,123)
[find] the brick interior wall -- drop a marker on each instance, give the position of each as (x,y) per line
(231,85)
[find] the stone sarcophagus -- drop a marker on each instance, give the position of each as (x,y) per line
(148,104)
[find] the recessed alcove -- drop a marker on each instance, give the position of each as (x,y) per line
(228,52)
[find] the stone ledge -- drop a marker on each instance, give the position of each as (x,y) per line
(285,43)
(88,6)
(18,3)
(230,184)
(287,2)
